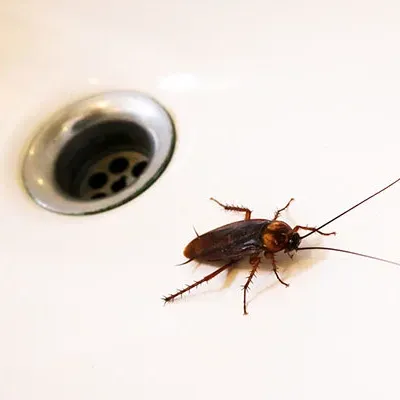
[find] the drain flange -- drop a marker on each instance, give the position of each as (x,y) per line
(98,153)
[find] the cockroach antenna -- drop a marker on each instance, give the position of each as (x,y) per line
(349,252)
(350,209)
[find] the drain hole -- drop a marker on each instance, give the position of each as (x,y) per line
(118,165)
(97,181)
(86,161)
(119,184)
(139,168)
(98,196)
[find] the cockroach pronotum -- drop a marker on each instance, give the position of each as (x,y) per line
(251,238)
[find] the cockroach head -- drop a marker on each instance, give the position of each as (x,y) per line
(293,242)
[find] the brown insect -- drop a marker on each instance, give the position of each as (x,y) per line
(252,238)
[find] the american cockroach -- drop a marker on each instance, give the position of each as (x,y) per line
(253,237)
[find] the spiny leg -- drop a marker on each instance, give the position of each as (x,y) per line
(254,262)
(234,208)
(282,209)
(171,297)
(270,255)
(306,228)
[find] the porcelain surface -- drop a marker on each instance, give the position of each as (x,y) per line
(271,100)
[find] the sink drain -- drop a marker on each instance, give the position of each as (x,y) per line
(98,153)
(112,174)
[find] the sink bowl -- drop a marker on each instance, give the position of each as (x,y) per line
(270,100)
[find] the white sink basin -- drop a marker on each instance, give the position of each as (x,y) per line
(271,100)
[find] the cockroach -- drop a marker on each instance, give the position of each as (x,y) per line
(253,237)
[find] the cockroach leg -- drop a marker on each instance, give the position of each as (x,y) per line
(272,256)
(279,279)
(234,208)
(171,297)
(254,262)
(306,228)
(282,209)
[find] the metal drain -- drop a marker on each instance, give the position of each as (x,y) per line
(112,174)
(98,153)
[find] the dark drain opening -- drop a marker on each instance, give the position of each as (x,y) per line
(98,196)
(97,180)
(118,185)
(139,168)
(118,165)
(98,161)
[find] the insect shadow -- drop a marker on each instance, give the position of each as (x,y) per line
(253,238)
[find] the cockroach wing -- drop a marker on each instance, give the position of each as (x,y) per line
(229,242)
